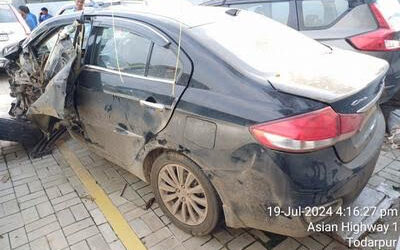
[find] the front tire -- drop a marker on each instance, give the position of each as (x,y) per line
(185,194)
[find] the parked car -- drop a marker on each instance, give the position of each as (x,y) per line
(12,28)
(369,27)
(224,120)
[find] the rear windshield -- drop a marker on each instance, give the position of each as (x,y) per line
(256,41)
(390,9)
(7,15)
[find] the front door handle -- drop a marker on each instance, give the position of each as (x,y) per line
(153,105)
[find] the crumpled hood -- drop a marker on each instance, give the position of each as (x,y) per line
(327,77)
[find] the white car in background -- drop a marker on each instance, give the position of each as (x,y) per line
(12,28)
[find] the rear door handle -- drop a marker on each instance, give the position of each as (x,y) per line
(153,105)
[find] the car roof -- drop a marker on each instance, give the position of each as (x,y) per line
(188,15)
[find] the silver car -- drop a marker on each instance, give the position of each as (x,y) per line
(12,28)
(368,26)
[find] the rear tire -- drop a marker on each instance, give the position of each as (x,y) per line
(185,194)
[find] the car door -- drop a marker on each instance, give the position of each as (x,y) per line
(283,11)
(126,91)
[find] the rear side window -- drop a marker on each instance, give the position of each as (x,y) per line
(7,15)
(121,50)
(279,11)
(163,64)
(390,9)
(319,14)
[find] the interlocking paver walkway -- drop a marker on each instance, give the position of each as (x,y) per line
(43,205)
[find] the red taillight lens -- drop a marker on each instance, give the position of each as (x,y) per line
(307,132)
(382,39)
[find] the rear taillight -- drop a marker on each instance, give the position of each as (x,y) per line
(308,132)
(382,39)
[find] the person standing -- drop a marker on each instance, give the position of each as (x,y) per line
(44,14)
(79,5)
(30,18)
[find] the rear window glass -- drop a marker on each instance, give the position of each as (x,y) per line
(259,48)
(7,15)
(322,13)
(390,9)
(279,11)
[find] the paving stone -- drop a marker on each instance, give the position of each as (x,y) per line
(135,213)
(98,216)
(179,234)
(65,188)
(64,198)
(376,180)
(169,243)
(53,192)
(7,197)
(4,242)
(97,242)
(57,240)
(80,246)
(322,238)
(116,199)
(24,247)
(79,211)
(10,223)
(127,207)
(35,186)
(7,191)
(310,243)
(89,204)
(211,244)
(40,223)
(66,204)
(107,233)
(241,242)
(221,234)
(165,220)
(152,221)
(18,237)
(139,185)
(156,237)
(29,215)
(117,245)
(334,245)
(257,246)
(235,231)
(21,190)
(82,235)
(259,235)
(24,181)
(158,212)
(196,242)
(289,243)
(140,228)
(10,207)
(77,226)
(65,217)
(40,244)
(43,231)
(44,209)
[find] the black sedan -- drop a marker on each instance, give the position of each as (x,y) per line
(226,113)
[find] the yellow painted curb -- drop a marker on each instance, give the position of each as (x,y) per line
(121,227)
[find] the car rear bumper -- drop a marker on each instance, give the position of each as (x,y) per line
(283,181)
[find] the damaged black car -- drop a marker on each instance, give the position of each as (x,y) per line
(224,121)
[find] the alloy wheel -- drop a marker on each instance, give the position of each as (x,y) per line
(182,194)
